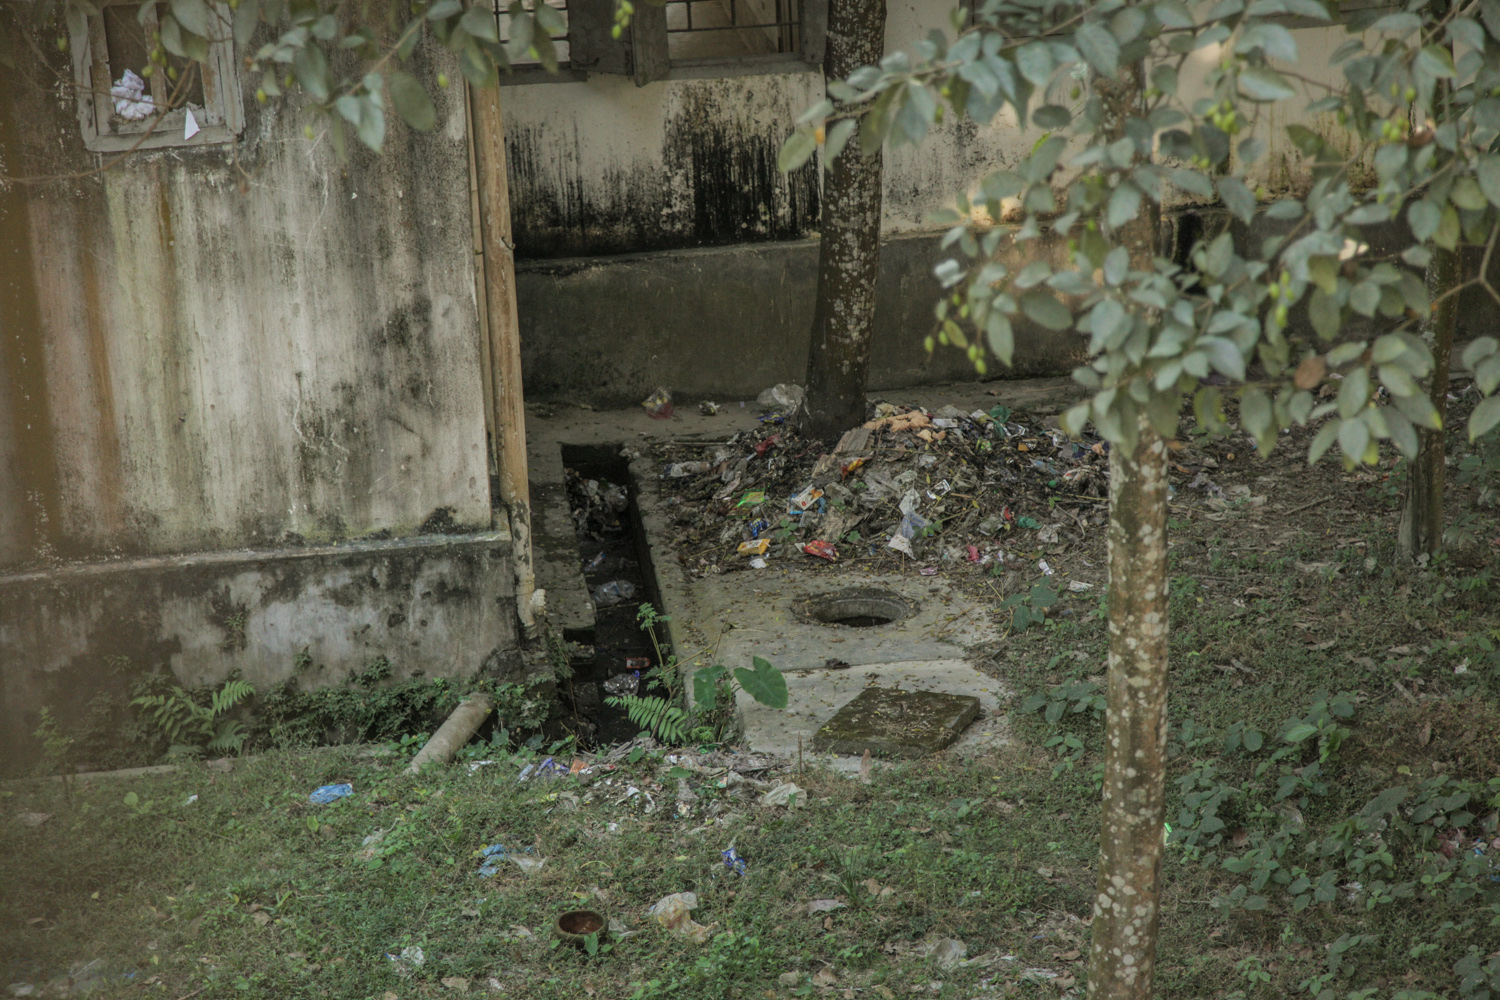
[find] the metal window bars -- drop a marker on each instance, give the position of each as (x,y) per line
(718,29)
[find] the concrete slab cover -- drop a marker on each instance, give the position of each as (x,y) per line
(816,696)
(889,722)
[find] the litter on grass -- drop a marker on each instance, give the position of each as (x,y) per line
(324,794)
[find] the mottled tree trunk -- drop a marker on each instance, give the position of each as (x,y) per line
(849,252)
(1421,530)
(1122,954)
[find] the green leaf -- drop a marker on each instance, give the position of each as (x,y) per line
(1354,441)
(797,150)
(371,127)
(1322,441)
(1485,416)
(1479,349)
(1253,740)
(412,102)
(246,19)
(1099,47)
(838,138)
(1237,198)
(1300,732)
(1052,116)
(444,9)
(479,21)
(1224,356)
(312,72)
(171,37)
(1124,204)
(1487,172)
(193,15)
(1045,310)
(765,683)
(1260,83)
(706,687)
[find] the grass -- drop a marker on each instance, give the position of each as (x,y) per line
(252,891)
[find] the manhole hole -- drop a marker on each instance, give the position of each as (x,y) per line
(860,607)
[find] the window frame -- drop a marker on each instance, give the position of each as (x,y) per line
(222,118)
(643,54)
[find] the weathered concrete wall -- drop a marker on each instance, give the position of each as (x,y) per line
(432,605)
(604,167)
(725,323)
(245,345)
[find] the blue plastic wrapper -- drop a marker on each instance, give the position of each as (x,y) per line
(324,794)
(493,855)
(734,862)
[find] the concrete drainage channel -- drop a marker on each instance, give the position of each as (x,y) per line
(616,568)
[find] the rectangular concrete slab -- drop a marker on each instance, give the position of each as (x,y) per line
(815,696)
(888,722)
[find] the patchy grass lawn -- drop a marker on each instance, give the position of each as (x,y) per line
(1333,794)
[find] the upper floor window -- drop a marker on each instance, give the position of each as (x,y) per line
(682,37)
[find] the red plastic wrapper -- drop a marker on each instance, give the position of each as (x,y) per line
(823,550)
(761,447)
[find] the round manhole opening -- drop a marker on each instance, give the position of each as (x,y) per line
(860,607)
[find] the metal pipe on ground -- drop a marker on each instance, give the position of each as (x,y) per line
(458,730)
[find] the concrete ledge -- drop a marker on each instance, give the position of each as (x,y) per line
(437,606)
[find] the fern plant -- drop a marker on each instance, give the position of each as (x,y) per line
(655,715)
(194,728)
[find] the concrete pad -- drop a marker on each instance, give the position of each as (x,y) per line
(815,696)
(888,722)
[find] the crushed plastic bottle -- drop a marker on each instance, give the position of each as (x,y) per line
(607,595)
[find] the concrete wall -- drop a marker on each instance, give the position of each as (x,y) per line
(242,345)
(238,350)
(434,606)
(617,190)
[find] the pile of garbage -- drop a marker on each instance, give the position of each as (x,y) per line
(943,489)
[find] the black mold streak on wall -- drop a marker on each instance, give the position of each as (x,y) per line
(715,183)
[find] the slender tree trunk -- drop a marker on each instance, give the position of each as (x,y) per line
(1122,955)
(849,252)
(1421,531)
(1123,952)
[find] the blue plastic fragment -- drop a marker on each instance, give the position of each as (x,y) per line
(493,855)
(324,794)
(734,862)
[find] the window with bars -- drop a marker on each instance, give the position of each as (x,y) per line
(702,35)
(118,100)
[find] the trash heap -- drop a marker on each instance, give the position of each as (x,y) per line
(942,489)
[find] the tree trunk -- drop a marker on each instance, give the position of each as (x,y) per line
(1122,954)
(838,360)
(1421,531)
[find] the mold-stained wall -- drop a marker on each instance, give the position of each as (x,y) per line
(244,347)
(602,167)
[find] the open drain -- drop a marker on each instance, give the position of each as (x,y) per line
(858,607)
